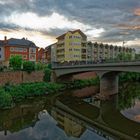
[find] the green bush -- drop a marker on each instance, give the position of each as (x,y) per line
(83,83)
(16,62)
(49,66)
(40,66)
(5,99)
(47,75)
(1,68)
(28,66)
(129,76)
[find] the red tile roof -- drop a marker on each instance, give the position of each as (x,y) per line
(78,30)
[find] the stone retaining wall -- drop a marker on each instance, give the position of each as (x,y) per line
(18,77)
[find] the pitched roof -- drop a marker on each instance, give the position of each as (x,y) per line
(22,42)
(78,30)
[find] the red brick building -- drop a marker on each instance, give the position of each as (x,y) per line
(42,55)
(23,47)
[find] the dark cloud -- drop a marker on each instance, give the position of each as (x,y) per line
(107,14)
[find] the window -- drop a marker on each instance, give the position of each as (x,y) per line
(11,55)
(16,49)
(20,49)
(0,49)
(24,56)
(24,50)
(12,49)
(32,57)
(32,50)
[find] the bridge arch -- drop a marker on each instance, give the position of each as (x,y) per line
(108,73)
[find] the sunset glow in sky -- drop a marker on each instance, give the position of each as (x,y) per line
(106,21)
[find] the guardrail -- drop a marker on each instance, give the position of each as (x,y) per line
(78,63)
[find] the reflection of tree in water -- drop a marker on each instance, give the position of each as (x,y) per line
(128,94)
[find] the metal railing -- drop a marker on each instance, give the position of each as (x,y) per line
(78,63)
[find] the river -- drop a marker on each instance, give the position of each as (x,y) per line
(64,117)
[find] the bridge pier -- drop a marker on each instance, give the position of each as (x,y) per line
(108,84)
(53,76)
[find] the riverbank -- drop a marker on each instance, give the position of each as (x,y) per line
(11,94)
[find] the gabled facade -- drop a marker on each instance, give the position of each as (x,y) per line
(50,52)
(42,55)
(23,47)
(71,46)
(99,52)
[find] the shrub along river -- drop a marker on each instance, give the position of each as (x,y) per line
(62,116)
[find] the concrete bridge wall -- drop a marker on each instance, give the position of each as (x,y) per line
(108,73)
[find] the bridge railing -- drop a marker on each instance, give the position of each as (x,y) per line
(77,63)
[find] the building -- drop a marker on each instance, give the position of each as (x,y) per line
(71,46)
(23,47)
(2,54)
(50,52)
(71,125)
(100,52)
(42,55)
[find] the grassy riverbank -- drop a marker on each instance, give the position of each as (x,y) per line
(10,94)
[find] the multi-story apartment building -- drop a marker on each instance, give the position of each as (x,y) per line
(71,46)
(68,123)
(98,51)
(23,47)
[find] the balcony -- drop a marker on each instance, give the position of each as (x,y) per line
(60,42)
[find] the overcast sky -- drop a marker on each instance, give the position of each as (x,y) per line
(106,21)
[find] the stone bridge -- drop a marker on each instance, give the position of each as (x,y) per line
(107,72)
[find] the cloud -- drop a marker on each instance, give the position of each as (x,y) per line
(33,21)
(101,20)
(137,11)
(129,27)
(57,22)
(35,36)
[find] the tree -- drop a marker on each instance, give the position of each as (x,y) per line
(15,62)
(137,56)
(47,75)
(124,56)
(28,66)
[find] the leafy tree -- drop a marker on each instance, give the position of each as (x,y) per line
(40,66)
(124,56)
(47,75)
(49,66)
(5,99)
(28,66)
(15,62)
(137,56)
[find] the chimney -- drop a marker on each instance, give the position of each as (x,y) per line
(5,38)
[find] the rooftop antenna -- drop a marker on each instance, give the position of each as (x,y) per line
(123,43)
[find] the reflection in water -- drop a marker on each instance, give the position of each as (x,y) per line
(69,124)
(28,122)
(127,95)
(31,120)
(129,101)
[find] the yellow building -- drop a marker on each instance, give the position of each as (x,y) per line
(71,46)
(70,124)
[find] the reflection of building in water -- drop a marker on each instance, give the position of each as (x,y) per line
(20,117)
(93,101)
(68,123)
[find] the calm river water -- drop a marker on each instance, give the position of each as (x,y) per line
(64,117)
